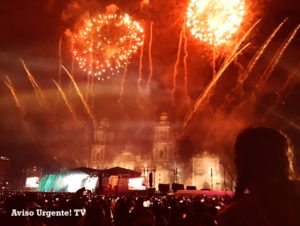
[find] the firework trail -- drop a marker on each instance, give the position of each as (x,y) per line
(70,108)
(88,84)
(72,73)
(231,95)
(231,58)
(291,157)
(122,88)
(288,85)
(209,91)
(186,55)
(93,91)
(141,67)
(286,88)
(260,52)
(88,110)
(36,87)
(90,80)
(214,59)
(141,97)
(277,57)
(287,121)
(150,57)
(73,59)
(59,67)
(211,85)
(239,44)
(268,71)
(271,66)
(123,81)
(59,60)
(72,66)
(177,64)
(12,90)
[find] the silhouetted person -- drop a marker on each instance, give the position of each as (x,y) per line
(17,203)
(145,218)
(263,169)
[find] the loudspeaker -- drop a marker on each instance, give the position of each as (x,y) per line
(190,187)
(176,187)
(151,190)
(164,187)
(150,179)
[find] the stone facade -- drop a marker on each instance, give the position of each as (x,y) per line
(101,148)
(206,172)
(159,166)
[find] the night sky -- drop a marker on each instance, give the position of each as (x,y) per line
(51,137)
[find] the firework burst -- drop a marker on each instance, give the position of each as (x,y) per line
(104,44)
(215,21)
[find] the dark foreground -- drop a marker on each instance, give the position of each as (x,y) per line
(80,209)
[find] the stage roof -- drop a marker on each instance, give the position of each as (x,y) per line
(108,172)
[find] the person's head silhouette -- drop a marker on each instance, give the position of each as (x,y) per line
(261,160)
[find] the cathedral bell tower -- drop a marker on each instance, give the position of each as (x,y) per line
(100,155)
(163,151)
(162,143)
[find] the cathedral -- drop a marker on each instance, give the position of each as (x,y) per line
(159,166)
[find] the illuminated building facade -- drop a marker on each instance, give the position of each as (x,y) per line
(127,158)
(159,166)
(100,154)
(163,154)
(206,172)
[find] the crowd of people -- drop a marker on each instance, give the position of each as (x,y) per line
(266,194)
(109,210)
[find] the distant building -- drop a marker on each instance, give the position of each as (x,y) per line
(161,161)
(163,154)
(4,172)
(127,158)
(100,155)
(159,166)
(206,172)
